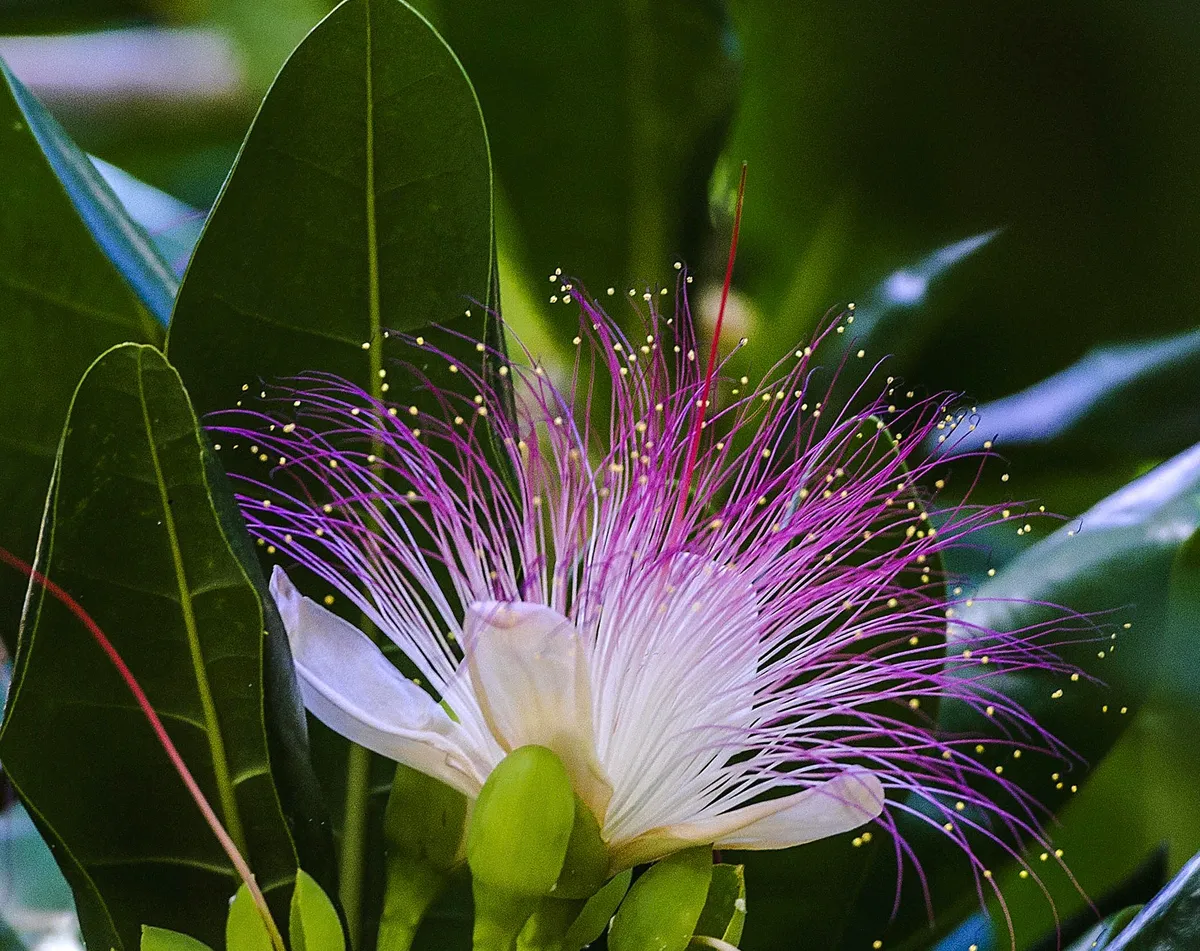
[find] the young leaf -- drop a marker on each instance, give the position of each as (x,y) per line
(244,927)
(315,925)
(163,939)
(598,912)
(133,532)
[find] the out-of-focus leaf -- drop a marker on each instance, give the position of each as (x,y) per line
(1117,561)
(361,203)
(606,119)
(1134,400)
(120,238)
(62,303)
(133,532)
(1171,922)
(172,225)
(1101,935)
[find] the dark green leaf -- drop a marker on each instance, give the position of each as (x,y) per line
(663,906)
(361,201)
(314,922)
(121,239)
(605,132)
(1128,401)
(1171,922)
(724,914)
(62,303)
(1118,561)
(133,533)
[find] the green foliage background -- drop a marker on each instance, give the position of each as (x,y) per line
(875,136)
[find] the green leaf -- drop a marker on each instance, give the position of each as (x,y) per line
(1117,560)
(117,235)
(361,202)
(163,939)
(598,912)
(62,303)
(1121,401)
(133,532)
(1171,922)
(424,829)
(314,922)
(663,906)
(245,929)
(724,914)
(1102,935)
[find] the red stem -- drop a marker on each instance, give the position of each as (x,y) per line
(685,483)
(160,731)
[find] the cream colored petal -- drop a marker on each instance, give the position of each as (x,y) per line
(529,672)
(835,806)
(351,687)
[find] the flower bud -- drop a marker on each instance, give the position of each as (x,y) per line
(518,834)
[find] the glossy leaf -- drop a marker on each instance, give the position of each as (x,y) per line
(314,922)
(1116,560)
(163,939)
(662,908)
(62,303)
(172,225)
(117,235)
(1171,922)
(724,914)
(133,533)
(361,201)
(1120,401)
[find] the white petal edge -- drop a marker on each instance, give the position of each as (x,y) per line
(350,686)
(835,806)
(529,671)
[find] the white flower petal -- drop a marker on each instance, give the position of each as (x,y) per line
(835,806)
(351,687)
(528,667)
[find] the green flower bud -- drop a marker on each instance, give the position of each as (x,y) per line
(518,834)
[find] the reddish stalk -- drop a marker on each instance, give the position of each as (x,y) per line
(160,731)
(685,483)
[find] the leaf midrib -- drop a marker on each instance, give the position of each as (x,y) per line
(216,742)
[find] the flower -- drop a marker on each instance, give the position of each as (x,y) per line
(725,627)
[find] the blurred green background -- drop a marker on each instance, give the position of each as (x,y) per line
(1063,137)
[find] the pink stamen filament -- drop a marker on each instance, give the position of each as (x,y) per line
(685,482)
(231,850)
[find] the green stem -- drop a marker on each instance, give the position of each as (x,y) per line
(354,837)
